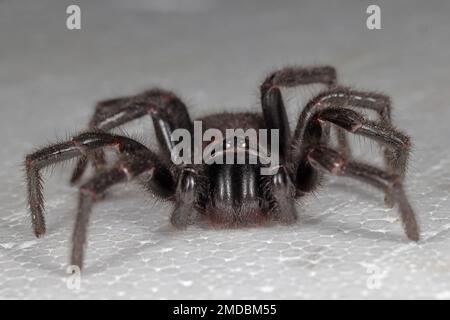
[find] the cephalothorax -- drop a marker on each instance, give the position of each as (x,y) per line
(231,194)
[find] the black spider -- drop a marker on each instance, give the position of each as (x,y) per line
(232,195)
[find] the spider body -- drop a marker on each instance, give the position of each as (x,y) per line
(232,194)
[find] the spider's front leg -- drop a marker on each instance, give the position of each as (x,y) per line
(275,117)
(272,103)
(158,179)
(377,102)
(168,112)
(327,160)
(103,109)
(77,146)
(345,98)
(311,154)
(398,143)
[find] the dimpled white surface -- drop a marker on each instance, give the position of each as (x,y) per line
(214,54)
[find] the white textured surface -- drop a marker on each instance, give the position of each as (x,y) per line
(216,55)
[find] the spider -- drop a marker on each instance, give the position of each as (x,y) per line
(223,194)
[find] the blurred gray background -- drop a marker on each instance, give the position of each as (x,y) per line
(215,54)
